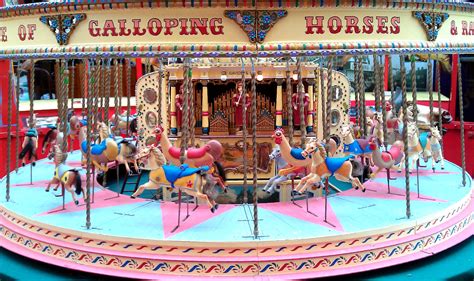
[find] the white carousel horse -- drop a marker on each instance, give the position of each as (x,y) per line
(418,144)
(68,177)
(355,146)
(195,182)
(285,171)
(436,151)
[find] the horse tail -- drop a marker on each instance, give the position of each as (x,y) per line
(28,148)
(220,171)
(46,138)
(78,183)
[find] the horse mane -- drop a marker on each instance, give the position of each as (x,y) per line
(322,150)
(160,158)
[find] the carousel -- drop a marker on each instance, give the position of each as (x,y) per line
(250,152)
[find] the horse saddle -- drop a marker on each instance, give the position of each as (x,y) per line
(61,172)
(191,153)
(296,153)
(32,133)
(424,137)
(173,173)
(96,149)
(353,147)
(334,163)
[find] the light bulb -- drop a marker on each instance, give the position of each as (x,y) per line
(259,76)
(295,76)
(223,76)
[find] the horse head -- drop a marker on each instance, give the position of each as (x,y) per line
(158,132)
(346,131)
(435,133)
(75,125)
(276,153)
(310,148)
(446,117)
(150,156)
(103,130)
(278,136)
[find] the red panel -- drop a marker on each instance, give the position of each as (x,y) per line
(452,147)
(454,87)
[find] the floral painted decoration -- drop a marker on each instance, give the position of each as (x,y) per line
(432,22)
(256,24)
(62,25)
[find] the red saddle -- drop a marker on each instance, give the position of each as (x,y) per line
(191,153)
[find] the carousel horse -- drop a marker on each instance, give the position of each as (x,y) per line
(192,181)
(120,122)
(377,129)
(356,146)
(68,177)
(293,155)
(391,159)
(30,145)
(194,157)
(322,166)
(127,153)
(285,171)
(436,151)
(54,136)
(208,155)
(418,144)
(423,116)
(105,151)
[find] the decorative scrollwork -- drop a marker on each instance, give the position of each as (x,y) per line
(432,22)
(62,25)
(256,24)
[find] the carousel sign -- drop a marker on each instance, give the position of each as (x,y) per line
(220,29)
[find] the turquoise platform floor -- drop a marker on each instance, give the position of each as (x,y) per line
(349,211)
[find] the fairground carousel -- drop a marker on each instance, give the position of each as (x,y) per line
(242,149)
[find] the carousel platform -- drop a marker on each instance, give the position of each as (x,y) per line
(137,238)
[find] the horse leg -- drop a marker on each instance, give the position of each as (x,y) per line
(277,182)
(208,201)
(269,184)
(99,166)
(442,159)
(376,172)
(310,183)
(141,188)
(53,181)
(302,183)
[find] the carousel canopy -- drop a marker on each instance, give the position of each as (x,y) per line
(234,28)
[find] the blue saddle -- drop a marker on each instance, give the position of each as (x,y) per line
(334,163)
(354,147)
(173,173)
(296,153)
(96,149)
(424,139)
(32,133)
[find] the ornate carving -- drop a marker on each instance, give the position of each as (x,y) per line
(149,95)
(265,122)
(62,25)
(256,23)
(219,125)
(432,22)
